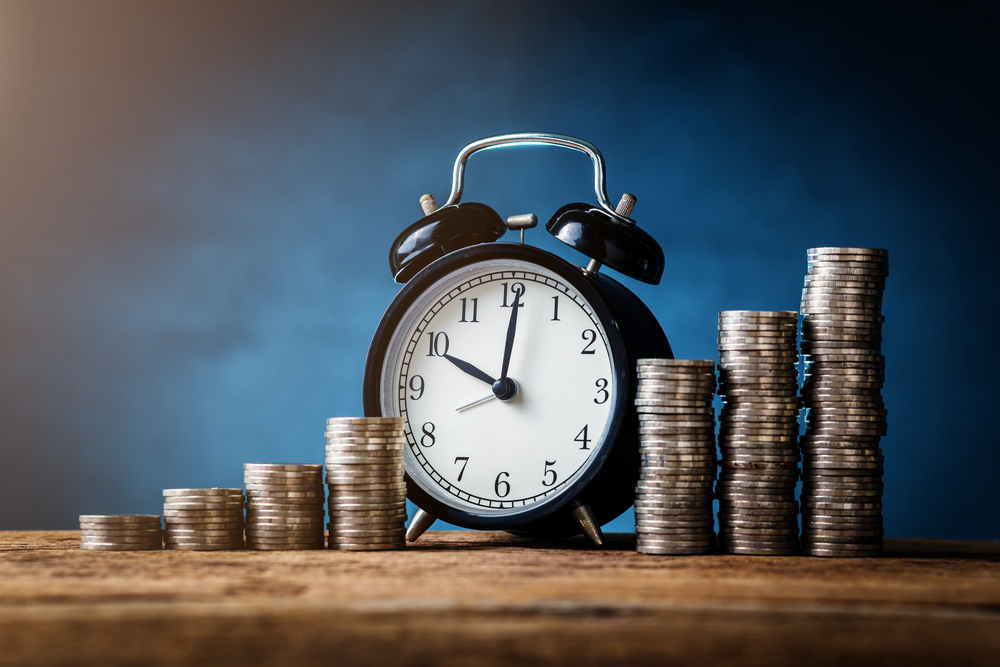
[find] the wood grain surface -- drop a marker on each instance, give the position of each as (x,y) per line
(466,598)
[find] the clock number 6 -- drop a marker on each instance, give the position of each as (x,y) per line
(502,483)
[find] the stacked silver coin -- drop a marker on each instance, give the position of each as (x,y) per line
(364,474)
(673,499)
(284,506)
(203,519)
(759,426)
(120,532)
(842,462)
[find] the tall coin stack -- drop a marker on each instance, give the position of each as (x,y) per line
(841,342)
(364,474)
(284,506)
(759,426)
(673,499)
(120,532)
(203,519)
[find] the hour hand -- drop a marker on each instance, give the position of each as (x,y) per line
(468,368)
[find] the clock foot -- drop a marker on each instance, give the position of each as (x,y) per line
(421,522)
(584,517)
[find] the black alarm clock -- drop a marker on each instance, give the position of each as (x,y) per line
(512,367)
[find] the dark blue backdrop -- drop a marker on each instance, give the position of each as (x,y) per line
(197,199)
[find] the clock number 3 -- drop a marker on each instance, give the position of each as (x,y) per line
(602,389)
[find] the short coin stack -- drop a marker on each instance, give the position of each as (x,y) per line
(284,506)
(364,473)
(203,519)
(120,532)
(758,382)
(673,499)
(841,343)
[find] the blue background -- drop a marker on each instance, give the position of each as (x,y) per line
(197,200)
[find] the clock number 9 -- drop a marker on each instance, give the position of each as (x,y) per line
(501,483)
(417,385)
(602,388)
(428,430)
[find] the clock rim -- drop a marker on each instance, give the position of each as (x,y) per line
(573,275)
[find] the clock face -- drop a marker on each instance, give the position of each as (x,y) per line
(468,448)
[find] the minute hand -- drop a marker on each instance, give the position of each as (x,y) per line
(466,367)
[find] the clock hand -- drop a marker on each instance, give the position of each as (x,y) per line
(468,368)
(505,388)
(475,403)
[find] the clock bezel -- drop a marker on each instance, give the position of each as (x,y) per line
(574,277)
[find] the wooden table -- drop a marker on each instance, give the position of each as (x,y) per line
(460,598)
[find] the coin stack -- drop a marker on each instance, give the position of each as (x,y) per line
(284,506)
(673,499)
(758,383)
(364,474)
(120,532)
(846,418)
(203,519)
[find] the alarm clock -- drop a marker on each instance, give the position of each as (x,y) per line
(514,368)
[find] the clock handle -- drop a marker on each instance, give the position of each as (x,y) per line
(419,524)
(537,139)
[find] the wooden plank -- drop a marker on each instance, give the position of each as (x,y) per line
(491,598)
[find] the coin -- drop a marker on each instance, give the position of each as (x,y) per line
(141,519)
(117,546)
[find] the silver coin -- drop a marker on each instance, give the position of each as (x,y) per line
(215,523)
(111,546)
(168,507)
(205,547)
(760,314)
(289,496)
(151,533)
(202,492)
(305,475)
(119,539)
(264,484)
(366,421)
(705,541)
(142,519)
(216,542)
(837,535)
(235,515)
(657,550)
(285,467)
(676,363)
(187,532)
(762,532)
(337,459)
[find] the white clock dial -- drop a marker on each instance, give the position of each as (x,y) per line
(466,446)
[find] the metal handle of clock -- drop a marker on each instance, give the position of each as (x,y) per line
(536,139)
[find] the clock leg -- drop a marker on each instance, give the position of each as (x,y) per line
(421,522)
(584,517)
